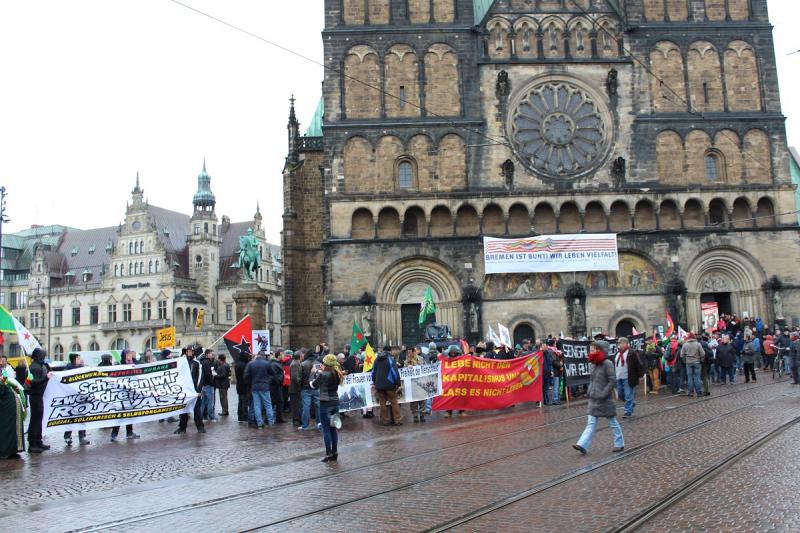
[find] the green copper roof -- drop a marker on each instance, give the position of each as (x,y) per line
(315,127)
(480,7)
(204,196)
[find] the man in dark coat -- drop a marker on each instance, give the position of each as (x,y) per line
(276,388)
(725,359)
(295,386)
(222,382)
(242,389)
(197,380)
(41,374)
(386,380)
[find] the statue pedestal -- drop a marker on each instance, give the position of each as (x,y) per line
(251,300)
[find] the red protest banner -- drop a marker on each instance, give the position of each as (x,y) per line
(474,384)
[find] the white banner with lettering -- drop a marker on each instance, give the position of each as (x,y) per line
(95,397)
(418,383)
(551,253)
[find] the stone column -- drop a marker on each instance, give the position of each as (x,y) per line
(251,300)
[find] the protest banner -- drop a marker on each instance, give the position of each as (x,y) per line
(710,312)
(576,357)
(261,341)
(475,384)
(92,397)
(418,383)
(165,338)
(551,253)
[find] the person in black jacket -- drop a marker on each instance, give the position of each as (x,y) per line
(309,368)
(242,390)
(276,388)
(207,405)
(726,359)
(197,379)
(41,374)
(327,382)
(222,382)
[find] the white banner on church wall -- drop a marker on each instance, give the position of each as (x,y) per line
(551,253)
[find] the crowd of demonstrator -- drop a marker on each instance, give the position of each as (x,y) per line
(304,383)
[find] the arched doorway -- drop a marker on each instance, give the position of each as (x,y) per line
(524,332)
(398,296)
(728,277)
(624,328)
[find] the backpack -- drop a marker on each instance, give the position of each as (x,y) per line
(393,376)
(669,356)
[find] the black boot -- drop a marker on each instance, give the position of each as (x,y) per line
(334,454)
(327,456)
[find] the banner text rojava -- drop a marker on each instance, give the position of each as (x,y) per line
(474,384)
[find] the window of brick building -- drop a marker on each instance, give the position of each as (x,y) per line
(162,309)
(76,316)
(58,318)
(127,315)
(112,312)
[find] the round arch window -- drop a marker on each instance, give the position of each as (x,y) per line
(624,328)
(524,332)
(119,344)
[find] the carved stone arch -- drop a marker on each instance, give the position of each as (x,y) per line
(609,38)
(419,148)
(570,217)
(362,224)
(742,213)
(441,221)
(620,216)
(443,80)
(631,315)
(359,165)
(444,11)
(499,30)
(727,142)
(668,86)
(670,155)
(595,217)
(525,319)
(419,11)
(379,11)
(580,42)
(694,214)
(669,215)
(392,292)
(742,78)
(765,212)
(451,158)
(716,10)
(401,67)
(362,100)
(525,30)
(415,222)
(353,13)
(725,269)
(553,28)
(757,155)
(493,220)
(388,223)
(468,222)
(644,215)
(519,219)
(545,218)
(698,143)
(388,151)
(705,77)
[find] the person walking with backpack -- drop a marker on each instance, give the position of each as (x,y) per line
(386,380)
(602,381)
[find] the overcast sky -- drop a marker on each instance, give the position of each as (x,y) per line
(95,90)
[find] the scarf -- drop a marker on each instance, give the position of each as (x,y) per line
(621,357)
(597,358)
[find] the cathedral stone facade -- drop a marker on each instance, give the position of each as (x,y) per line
(447,120)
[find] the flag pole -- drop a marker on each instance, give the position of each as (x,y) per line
(223,335)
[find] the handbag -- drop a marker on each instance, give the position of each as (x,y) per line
(336,421)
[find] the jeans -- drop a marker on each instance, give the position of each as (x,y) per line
(693,373)
(591,424)
(787,364)
(625,392)
(261,399)
(330,435)
(306,395)
(676,378)
(207,407)
(556,398)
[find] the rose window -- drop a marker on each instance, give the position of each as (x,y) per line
(558,129)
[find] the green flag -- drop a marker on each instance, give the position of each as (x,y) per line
(357,340)
(427,307)
(6,321)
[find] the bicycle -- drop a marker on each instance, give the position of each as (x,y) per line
(778,364)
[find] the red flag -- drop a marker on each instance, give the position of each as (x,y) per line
(634,332)
(670,326)
(238,339)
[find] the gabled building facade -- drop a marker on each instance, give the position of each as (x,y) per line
(114,287)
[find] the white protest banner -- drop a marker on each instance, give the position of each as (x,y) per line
(93,397)
(419,383)
(551,253)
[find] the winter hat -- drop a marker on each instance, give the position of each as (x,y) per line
(432,346)
(330,360)
(454,350)
(166,352)
(38,354)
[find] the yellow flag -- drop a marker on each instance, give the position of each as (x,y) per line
(369,358)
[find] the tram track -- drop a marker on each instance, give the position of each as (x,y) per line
(266,491)
(642,518)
